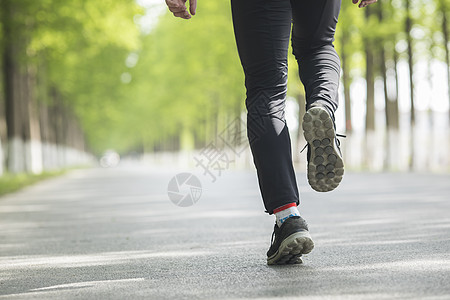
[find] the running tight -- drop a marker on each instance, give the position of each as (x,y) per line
(262,30)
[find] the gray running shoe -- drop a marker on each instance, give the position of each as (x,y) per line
(289,242)
(325,164)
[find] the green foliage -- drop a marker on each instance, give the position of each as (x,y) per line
(187,79)
(188,73)
(79,48)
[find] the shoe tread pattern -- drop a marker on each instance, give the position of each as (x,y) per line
(291,250)
(325,166)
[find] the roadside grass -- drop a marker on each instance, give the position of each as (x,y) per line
(13,182)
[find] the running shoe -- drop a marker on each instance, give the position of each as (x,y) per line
(325,164)
(289,242)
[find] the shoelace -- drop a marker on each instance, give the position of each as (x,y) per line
(272,240)
(341,136)
(338,142)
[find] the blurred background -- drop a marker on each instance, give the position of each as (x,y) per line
(90,82)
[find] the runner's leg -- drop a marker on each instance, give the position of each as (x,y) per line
(262,29)
(314,25)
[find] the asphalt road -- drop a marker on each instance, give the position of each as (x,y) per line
(114,234)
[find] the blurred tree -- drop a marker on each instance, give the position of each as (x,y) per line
(61,57)
(296,91)
(188,82)
(444,7)
(80,74)
(369,46)
(409,41)
(348,43)
(19,81)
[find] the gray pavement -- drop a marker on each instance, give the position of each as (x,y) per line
(114,234)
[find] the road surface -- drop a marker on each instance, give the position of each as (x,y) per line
(114,234)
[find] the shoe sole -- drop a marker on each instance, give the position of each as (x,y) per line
(291,249)
(325,166)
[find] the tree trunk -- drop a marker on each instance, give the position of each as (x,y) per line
(383,70)
(32,131)
(370,99)
(346,83)
(370,85)
(58,124)
(443,8)
(395,111)
(45,136)
(387,107)
(12,78)
(408,27)
(387,99)
(3,134)
(370,81)
(301,102)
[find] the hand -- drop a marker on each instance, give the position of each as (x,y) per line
(364,3)
(178,8)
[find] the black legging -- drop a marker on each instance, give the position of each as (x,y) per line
(262,29)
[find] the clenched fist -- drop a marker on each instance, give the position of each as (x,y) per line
(364,3)
(179,9)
